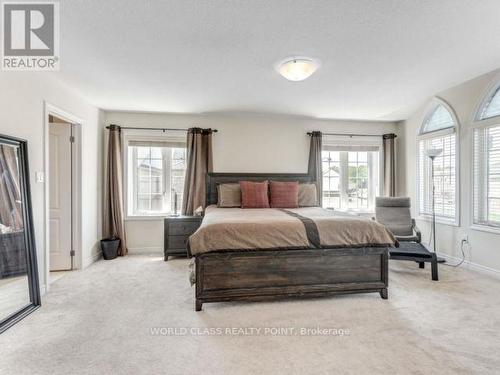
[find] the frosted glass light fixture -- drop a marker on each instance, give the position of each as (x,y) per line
(297,69)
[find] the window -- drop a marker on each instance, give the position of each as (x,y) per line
(155,176)
(492,107)
(487,176)
(438,132)
(486,191)
(440,119)
(444,176)
(350,177)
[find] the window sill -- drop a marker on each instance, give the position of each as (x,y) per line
(439,220)
(485,228)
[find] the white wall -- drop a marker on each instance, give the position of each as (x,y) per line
(22,97)
(244,143)
(464,100)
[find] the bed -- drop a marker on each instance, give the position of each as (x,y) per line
(266,254)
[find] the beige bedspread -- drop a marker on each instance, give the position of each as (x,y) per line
(268,228)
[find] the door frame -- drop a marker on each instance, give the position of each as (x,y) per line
(50,109)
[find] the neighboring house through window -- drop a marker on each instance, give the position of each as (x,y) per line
(438,131)
(155,169)
(351,173)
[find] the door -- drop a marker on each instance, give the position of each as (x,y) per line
(60,196)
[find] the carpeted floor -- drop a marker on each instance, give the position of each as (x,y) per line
(135,315)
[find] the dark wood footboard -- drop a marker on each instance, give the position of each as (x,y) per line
(274,274)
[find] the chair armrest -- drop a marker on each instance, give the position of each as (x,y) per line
(416,230)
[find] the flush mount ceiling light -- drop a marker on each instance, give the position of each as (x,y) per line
(297,68)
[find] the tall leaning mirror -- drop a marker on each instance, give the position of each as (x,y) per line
(19,291)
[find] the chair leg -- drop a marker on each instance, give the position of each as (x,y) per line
(384,293)
(434,268)
(421,264)
(198,305)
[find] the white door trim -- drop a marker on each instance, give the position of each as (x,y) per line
(50,109)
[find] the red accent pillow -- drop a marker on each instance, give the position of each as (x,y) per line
(284,194)
(254,194)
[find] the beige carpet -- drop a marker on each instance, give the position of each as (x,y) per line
(99,321)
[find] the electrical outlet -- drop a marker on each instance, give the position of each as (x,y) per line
(465,238)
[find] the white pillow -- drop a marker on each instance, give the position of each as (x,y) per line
(308,195)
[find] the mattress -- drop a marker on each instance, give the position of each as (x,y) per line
(230,229)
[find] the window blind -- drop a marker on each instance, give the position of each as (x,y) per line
(444,176)
(487,176)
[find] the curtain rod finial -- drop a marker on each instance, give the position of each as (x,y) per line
(113,127)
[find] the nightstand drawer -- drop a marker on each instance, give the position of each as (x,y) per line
(177,242)
(182,227)
(177,232)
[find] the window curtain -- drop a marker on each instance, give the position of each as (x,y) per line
(10,192)
(114,226)
(314,167)
(198,164)
(389,165)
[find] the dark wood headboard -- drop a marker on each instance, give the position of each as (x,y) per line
(213,179)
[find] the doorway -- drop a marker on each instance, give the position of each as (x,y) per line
(61,189)
(62,179)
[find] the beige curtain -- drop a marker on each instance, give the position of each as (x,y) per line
(10,191)
(389,165)
(198,164)
(314,167)
(114,226)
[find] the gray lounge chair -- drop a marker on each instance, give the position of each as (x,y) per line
(395,214)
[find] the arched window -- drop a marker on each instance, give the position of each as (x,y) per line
(491,106)
(438,134)
(440,118)
(486,175)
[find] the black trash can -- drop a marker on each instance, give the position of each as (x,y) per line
(109,248)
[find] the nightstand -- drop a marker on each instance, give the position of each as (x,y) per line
(177,231)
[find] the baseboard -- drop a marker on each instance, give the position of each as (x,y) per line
(472,266)
(92,259)
(145,250)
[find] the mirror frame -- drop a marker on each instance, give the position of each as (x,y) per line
(29,236)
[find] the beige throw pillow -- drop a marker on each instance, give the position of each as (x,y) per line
(229,195)
(308,196)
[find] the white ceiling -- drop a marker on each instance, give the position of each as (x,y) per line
(380,58)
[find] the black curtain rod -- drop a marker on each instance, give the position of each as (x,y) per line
(162,129)
(352,135)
